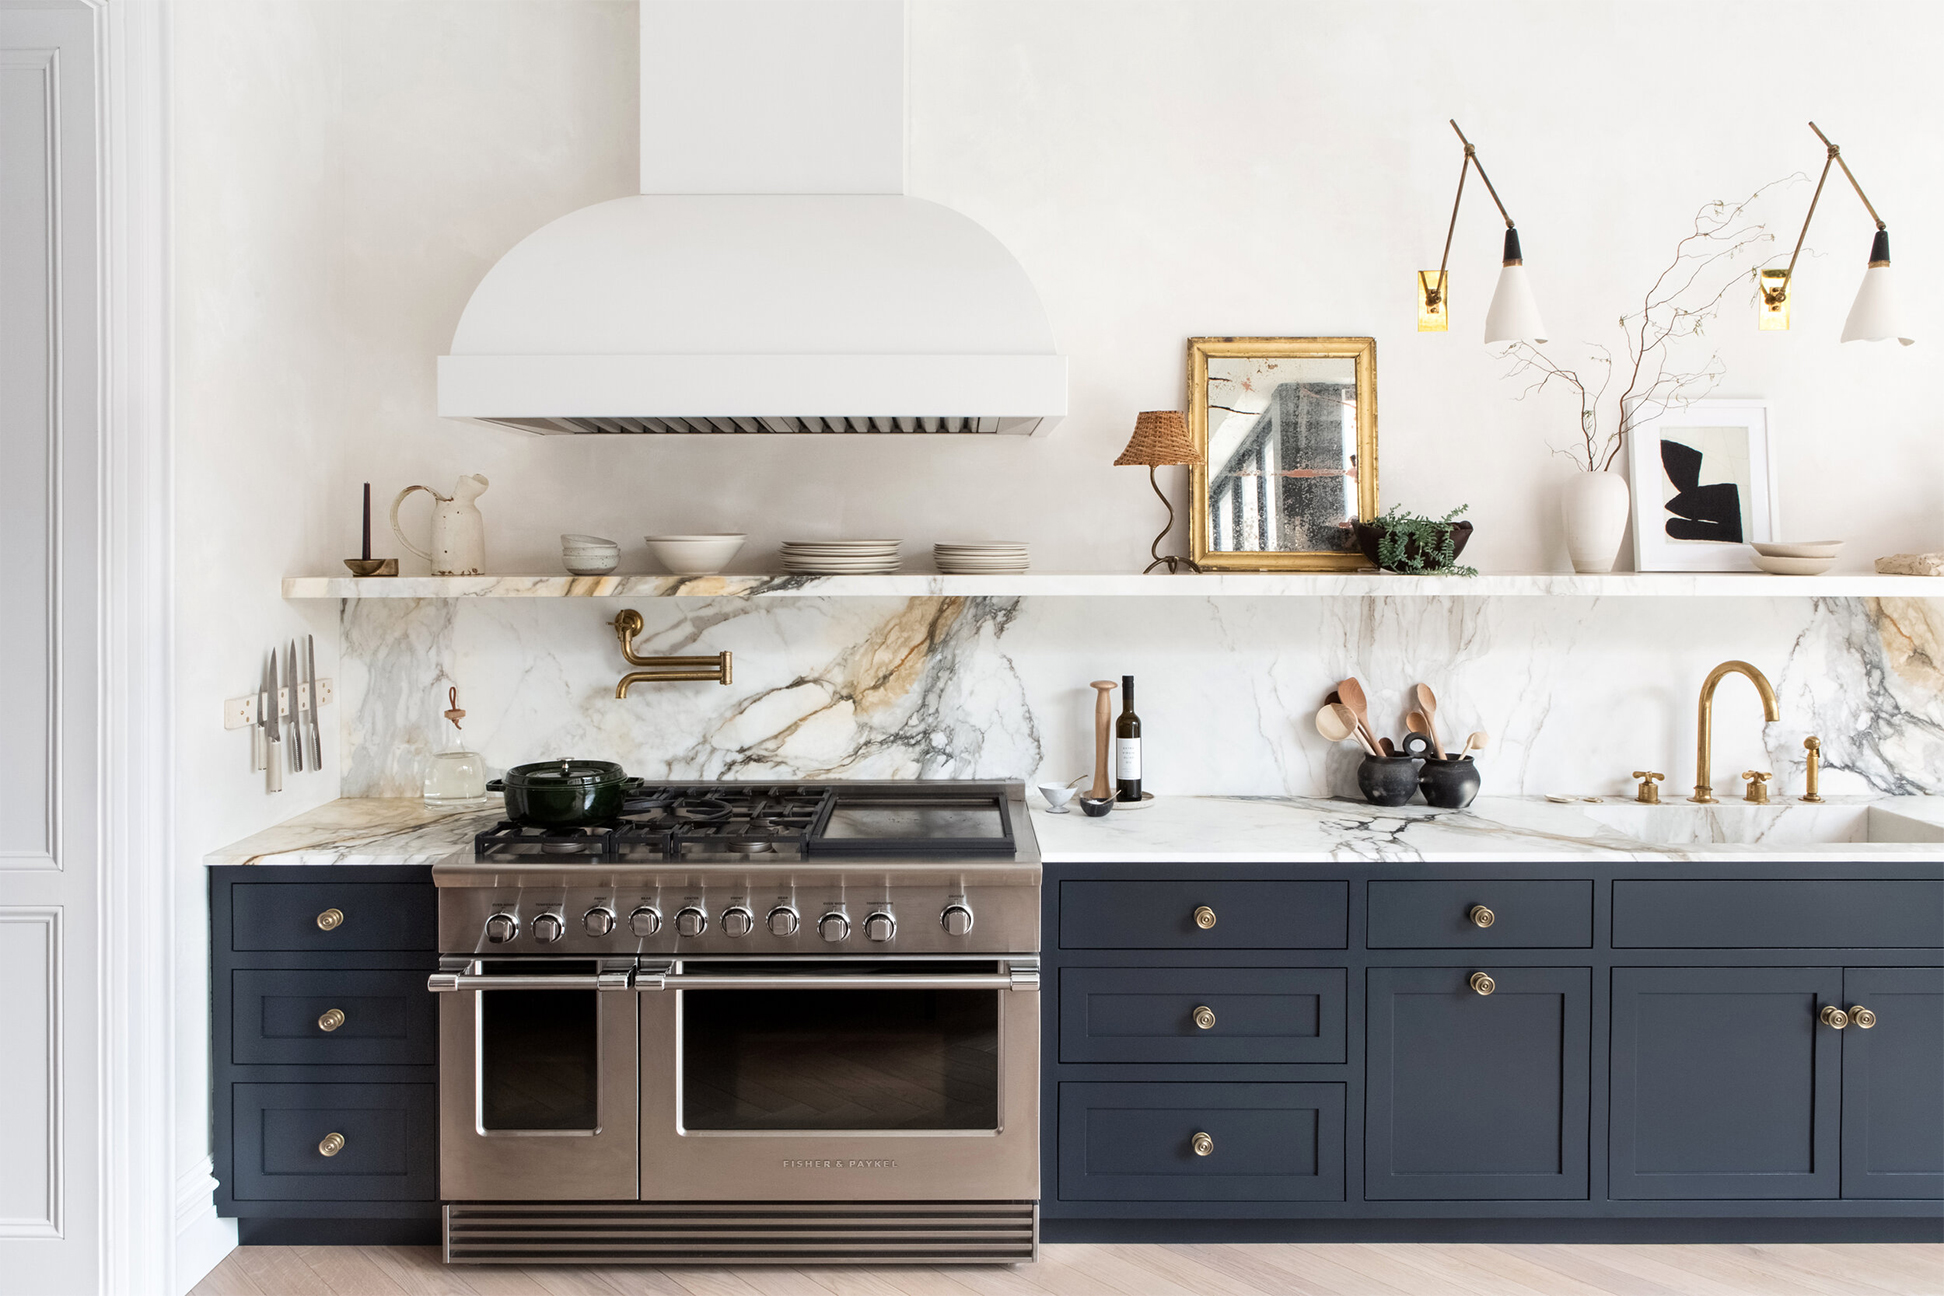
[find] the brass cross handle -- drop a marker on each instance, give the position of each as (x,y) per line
(331,1144)
(331,1019)
(1205,1017)
(1648,794)
(1757,786)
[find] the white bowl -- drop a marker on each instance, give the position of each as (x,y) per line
(694,555)
(1800,549)
(587,542)
(1057,797)
(1794,566)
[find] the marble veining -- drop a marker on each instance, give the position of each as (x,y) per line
(1575,692)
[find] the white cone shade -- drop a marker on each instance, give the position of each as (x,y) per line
(1514,313)
(1876,316)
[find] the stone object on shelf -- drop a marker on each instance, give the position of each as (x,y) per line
(1912,564)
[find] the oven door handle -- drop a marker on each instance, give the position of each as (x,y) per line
(450,982)
(1027,979)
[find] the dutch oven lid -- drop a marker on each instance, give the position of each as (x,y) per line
(564,774)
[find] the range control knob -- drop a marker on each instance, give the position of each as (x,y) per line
(501,928)
(782,921)
(880,926)
(737,921)
(833,927)
(645,921)
(547,928)
(598,921)
(691,922)
(957,920)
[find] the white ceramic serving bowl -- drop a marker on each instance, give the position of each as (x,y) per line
(694,555)
(1780,566)
(1799,549)
(1057,797)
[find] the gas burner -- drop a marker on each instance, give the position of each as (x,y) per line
(750,845)
(567,843)
(701,809)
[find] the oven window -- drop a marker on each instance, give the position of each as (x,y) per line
(840,1060)
(537,1053)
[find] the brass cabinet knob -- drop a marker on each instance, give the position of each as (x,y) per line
(1481,916)
(331,1144)
(1204,917)
(330,920)
(331,1020)
(1202,1143)
(1483,983)
(1833,1017)
(1205,1017)
(1860,1017)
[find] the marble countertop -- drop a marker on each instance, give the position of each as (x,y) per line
(401,830)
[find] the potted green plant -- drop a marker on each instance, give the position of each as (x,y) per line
(1414,545)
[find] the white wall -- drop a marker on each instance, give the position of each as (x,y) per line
(348,169)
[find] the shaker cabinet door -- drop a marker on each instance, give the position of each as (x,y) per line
(1478,1097)
(1893,1084)
(1724,1083)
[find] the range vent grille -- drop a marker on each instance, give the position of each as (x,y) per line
(610,425)
(714,1233)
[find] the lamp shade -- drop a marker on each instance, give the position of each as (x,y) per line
(1514,313)
(1876,316)
(1160,437)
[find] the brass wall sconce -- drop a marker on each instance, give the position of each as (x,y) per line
(1874,317)
(664,670)
(1514,313)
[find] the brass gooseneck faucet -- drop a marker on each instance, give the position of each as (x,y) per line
(1704,723)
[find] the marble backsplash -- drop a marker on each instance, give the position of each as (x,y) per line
(1575,692)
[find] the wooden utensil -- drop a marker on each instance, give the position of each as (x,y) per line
(1418,724)
(1428,704)
(1103,725)
(1476,742)
(1336,723)
(1353,697)
(1389,748)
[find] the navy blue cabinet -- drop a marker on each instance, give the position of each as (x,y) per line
(1478,1096)
(1893,1076)
(324,1053)
(1205,1142)
(1202,1015)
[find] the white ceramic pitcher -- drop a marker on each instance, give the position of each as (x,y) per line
(458,530)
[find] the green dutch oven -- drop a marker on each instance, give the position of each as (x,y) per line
(564,793)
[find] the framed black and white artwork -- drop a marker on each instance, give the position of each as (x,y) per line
(1703,487)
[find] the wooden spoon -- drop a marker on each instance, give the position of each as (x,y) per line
(1418,724)
(1353,697)
(1476,742)
(1336,723)
(1428,703)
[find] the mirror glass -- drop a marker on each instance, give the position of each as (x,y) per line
(1282,454)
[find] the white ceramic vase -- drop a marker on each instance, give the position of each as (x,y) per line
(1593,505)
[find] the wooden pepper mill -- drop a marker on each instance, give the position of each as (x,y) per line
(1103,784)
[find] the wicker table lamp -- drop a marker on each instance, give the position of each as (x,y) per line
(1161,437)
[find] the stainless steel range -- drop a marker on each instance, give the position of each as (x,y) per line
(746,1022)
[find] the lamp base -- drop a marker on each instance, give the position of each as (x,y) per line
(1173,562)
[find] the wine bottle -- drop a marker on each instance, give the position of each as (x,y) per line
(1127,746)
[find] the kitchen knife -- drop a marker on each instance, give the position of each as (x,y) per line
(310,696)
(275,754)
(295,672)
(258,743)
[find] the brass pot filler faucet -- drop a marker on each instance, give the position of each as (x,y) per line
(1704,744)
(664,670)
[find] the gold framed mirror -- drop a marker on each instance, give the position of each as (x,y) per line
(1285,431)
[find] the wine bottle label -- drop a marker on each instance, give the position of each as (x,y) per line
(1128,758)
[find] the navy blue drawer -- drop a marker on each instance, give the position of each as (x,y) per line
(388,1018)
(376,916)
(1136,1142)
(1248,915)
(1437,915)
(1835,914)
(390,1133)
(1287,1015)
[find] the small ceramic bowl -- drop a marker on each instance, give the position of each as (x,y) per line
(1096,806)
(586,555)
(694,555)
(1057,798)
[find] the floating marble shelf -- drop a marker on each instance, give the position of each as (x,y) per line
(1095,584)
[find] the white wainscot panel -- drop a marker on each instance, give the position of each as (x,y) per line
(30,948)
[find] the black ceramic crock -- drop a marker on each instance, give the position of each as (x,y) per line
(564,793)
(1387,780)
(1448,784)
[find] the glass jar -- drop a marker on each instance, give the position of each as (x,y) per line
(455,777)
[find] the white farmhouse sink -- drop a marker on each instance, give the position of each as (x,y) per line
(1784,823)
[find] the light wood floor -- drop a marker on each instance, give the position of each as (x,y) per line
(1262,1270)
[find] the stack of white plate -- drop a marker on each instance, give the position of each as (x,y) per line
(1805,558)
(840,557)
(991,558)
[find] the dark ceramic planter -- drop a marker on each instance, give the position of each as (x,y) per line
(1448,784)
(1387,780)
(564,793)
(1368,534)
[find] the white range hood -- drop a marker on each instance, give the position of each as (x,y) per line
(771,276)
